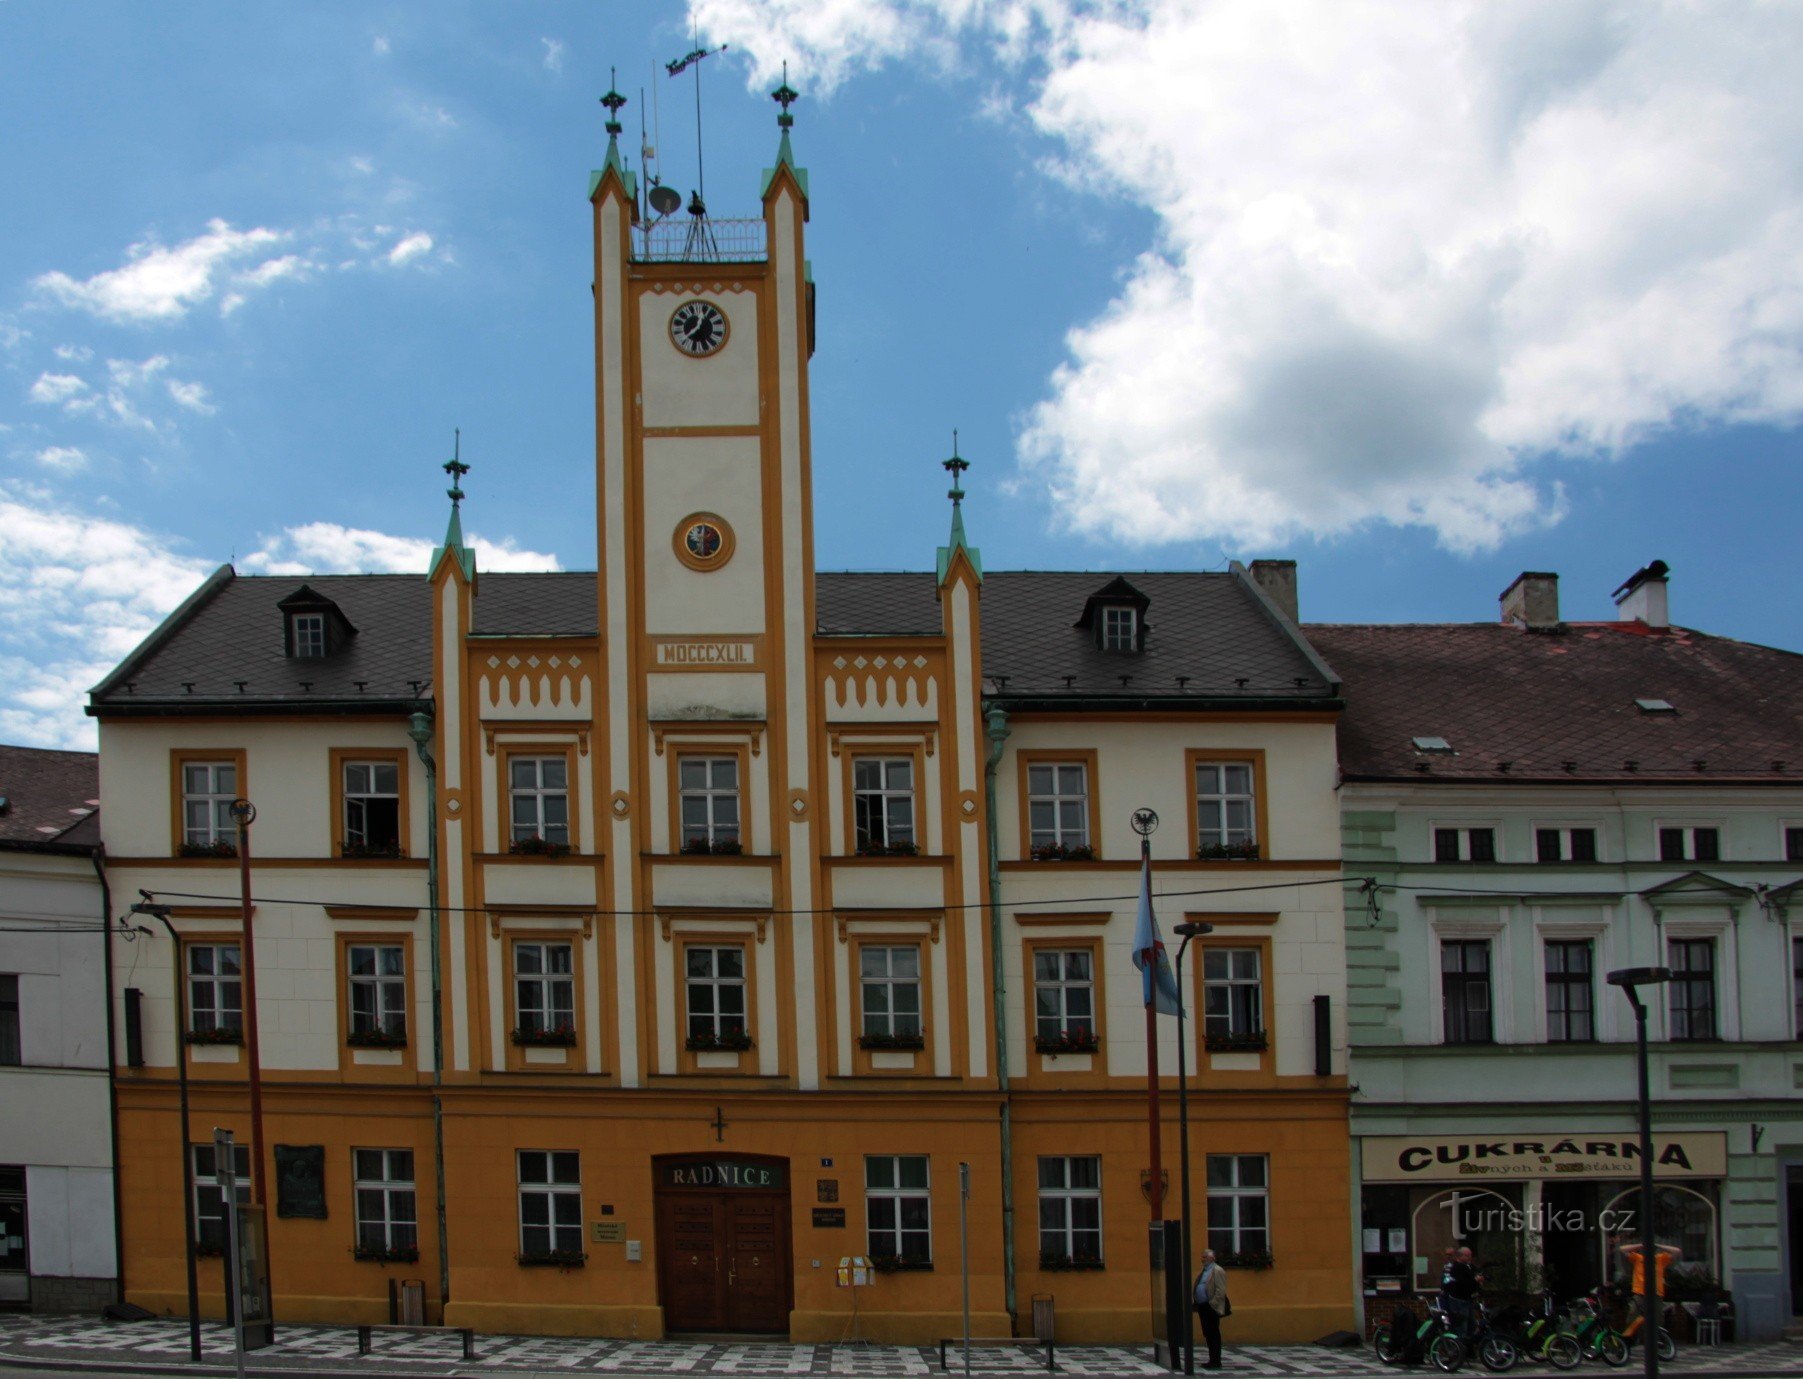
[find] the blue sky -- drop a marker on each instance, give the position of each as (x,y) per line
(1420,298)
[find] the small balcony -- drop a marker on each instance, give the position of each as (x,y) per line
(691,239)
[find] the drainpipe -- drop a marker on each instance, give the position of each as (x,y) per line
(98,856)
(419,728)
(996,720)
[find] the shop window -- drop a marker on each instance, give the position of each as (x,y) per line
(1064,994)
(215,989)
(550,1203)
(1070,1210)
(1464,845)
(1490,1221)
(1692,988)
(898,1209)
(883,804)
(1565,845)
(1465,990)
(372,809)
(1690,843)
(387,1210)
(716,992)
(1384,1222)
(209,1197)
(1239,1205)
(378,992)
(10,1043)
(544,990)
(1682,1216)
(1232,995)
(1057,807)
(208,789)
(890,979)
(1570,991)
(539,799)
(710,803)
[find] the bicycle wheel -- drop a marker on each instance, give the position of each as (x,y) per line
(1498,1353)
(1612,1348)
(1668,1348)
(1386,1353)
(1447,1353)
(1564,1352)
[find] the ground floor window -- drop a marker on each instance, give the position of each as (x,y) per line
(387,1217)
(1070,1210)
(898,1208)
(1239,1205)
(550,1203)
(210,1229)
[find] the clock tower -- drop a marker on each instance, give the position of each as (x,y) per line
(703,330)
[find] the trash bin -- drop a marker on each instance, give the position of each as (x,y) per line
(413,1302)
(1043,1321)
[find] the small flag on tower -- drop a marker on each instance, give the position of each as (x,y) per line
(1148,949)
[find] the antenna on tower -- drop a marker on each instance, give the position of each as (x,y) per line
(701,243)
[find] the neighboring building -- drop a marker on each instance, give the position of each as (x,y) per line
(725,980)
(56,1136)
(1543,802)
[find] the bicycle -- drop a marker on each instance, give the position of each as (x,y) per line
(1539,1337)
(1668,1346)
(1496,1351)
(1596,1339)
(1408,1338)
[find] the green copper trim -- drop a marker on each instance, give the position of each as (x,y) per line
(956,467)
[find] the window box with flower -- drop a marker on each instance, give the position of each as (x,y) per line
(219,1034)
(386,1254)
(900,1264)
(552,1259)
(535,846)
(712,847)
(391,1036)
(224,847)
(902,1042)
(1245,1259)
(1074,1039)
(353,852)
(1248,1041)
(1063,852)
(561,1035)
(1057,1262)
(725,1041)
(869,847)
(1245,851)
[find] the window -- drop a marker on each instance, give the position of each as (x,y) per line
(1464,845)
(1693,988)
(1239,1204)
(1070,1209)
(1793,843)
(540,790)
(1565,845)
(1690,843)
(11,1054)
(710,802)
(1224,808)
(1064,993)
(891,978)
(309,635)
(897,1208)
(1465,985)
(544,988)
(1796,968)
(716,980)
(378,978)
(372,809)
(208,789)
(1232,994)
(387,1214)
(215,988)
(550,1202)
(1570,995)
(883,803)
(1057,807)
(1120,629)
(210,1229)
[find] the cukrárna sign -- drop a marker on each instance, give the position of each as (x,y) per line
(1436,1159)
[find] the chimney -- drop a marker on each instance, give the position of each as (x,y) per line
(1532,601)
(1642,598)
(1277,579)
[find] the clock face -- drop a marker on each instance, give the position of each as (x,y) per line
(698,328)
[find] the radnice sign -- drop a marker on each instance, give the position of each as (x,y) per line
(1438,1158)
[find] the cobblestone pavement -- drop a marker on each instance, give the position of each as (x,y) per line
(143,1346)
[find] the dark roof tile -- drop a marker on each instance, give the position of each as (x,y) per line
(52,799)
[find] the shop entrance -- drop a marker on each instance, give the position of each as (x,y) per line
(723,1261)
(1793,1198)
(15,1256)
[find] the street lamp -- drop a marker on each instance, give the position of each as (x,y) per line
(1190,930)
(1630,980)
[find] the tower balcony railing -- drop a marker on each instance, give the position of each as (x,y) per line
(692,239)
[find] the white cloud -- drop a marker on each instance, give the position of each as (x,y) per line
(53,388)
(192,396)
(272,270)
(410,248)
(65,459)
(74,354)
(158,283)
(327,548)
(428,115)
(554,50)
(1400,251)
(379,45)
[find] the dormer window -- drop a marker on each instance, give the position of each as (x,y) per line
(1120,629)
(313,627)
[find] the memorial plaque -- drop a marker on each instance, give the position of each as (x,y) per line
(300,1181)
(827,1190)
(829,1217)
(607,1232)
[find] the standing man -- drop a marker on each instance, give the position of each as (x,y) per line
(1212,1305)
(1461,1288)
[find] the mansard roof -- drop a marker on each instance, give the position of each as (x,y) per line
(52,800)
(1563,704)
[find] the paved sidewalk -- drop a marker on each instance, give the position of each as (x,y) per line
(162,1347)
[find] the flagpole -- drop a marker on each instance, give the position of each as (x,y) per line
(1152,1118)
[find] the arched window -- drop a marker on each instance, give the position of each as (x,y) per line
(1682,1216)
(1490,1223)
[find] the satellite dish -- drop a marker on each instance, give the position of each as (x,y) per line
(664,199)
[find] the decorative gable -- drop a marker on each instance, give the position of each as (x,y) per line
(1115,615)
(313,627)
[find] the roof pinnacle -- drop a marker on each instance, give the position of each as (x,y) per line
(613,100)
(956,466)
(785,96)
(456,468)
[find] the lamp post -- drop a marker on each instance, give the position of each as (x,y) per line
(1630,980)
(244,814)
(1190,930)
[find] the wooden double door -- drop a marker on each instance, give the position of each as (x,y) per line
(723,1260)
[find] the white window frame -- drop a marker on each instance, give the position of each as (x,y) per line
(1067,1200)
(538,792)
(1690,827)
(1232,984)
(1564,828)
(359,833)
(1236,1193)
(1721,976)
(712,981)
(1446,928)
(1120,627)
(1544,940)
(1211,809)
(1550,926)
(711,797)
(1058,835)
(309,631)
(1064,985)
(209,1197)
(1464,828)
(220,826)
(553,990)
(562,1196)
(387,999)
(898,1195)
(214,981)
(883,793)
(397,1193)
(889,983)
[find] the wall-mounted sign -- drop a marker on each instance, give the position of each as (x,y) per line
(300,1181)
(829,1218)
(607,1232)
(724,1173)
(704,653)
(1438,1159)
(827,1190)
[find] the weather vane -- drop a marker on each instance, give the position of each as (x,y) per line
(456,468)
(785,96)
(613,100)
(956,467)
